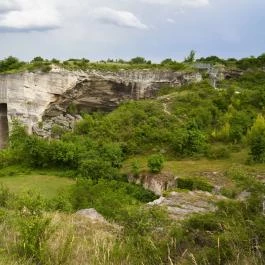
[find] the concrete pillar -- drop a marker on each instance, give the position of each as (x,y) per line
(3,125)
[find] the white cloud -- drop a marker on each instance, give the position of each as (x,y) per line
(7,5)
(195,3)
(171,21)
(180,3)
(27,15)
(118,18)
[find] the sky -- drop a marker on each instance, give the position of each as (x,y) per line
(154,29)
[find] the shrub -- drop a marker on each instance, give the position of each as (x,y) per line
(33,227)
(111,198)
(218,152)
(6,158)
(111,152)
(33,234)
(146,235)
(10,63)
(189,141)
(256,140)
(5,196)
(62,202)
(46,68)
(194,184)
(97,169)
(155,163)
(135,168)
(57,131)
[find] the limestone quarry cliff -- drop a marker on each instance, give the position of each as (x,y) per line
(34,97)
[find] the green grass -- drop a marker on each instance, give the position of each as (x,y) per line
(47,185)
(189,167)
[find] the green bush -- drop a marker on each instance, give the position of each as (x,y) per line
(135,168)
(97,169)
(57,131)
(223,237)
(9,64)
(33,227)
(110,197)
(189,141)
(218,152)
(6,158)
(62,202)
(156,163)
(256,140)
(145,235)
(194,184)
(5,196)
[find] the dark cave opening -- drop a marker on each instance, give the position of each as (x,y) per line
(3,125)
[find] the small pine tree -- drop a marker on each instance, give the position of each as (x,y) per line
(256,140)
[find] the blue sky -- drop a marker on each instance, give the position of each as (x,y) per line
(155,29)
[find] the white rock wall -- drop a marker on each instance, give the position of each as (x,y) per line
(29,94)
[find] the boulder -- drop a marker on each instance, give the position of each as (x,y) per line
(92,214)
(181,205)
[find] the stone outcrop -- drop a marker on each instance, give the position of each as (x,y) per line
(92,215)
(36,97)
(180,205)
(157,183)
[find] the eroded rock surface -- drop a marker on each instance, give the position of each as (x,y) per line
(92,215)
(34,97)
(183,204)
(157,183)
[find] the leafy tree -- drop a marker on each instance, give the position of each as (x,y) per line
(211,59)
(112,152)
(155,163)
(196,141)
(256,140)
(37,59)
(189,141)
(55,61)
(138,60)
(167,61)
(10,63)
(191,57)
(97,169)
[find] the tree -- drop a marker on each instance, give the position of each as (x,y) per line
(167,61)
(191,57)
(155,163)
(55,61)
(256,140)
(97,169)
(10,63)
(138,60)
(37,59)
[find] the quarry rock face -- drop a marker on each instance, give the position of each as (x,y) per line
(183,204)
(34,98)
(157,183)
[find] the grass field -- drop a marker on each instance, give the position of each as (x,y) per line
(201,167)
(49,182)
(45,183)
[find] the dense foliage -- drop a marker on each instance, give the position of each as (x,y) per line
(12,64)
(192,122)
